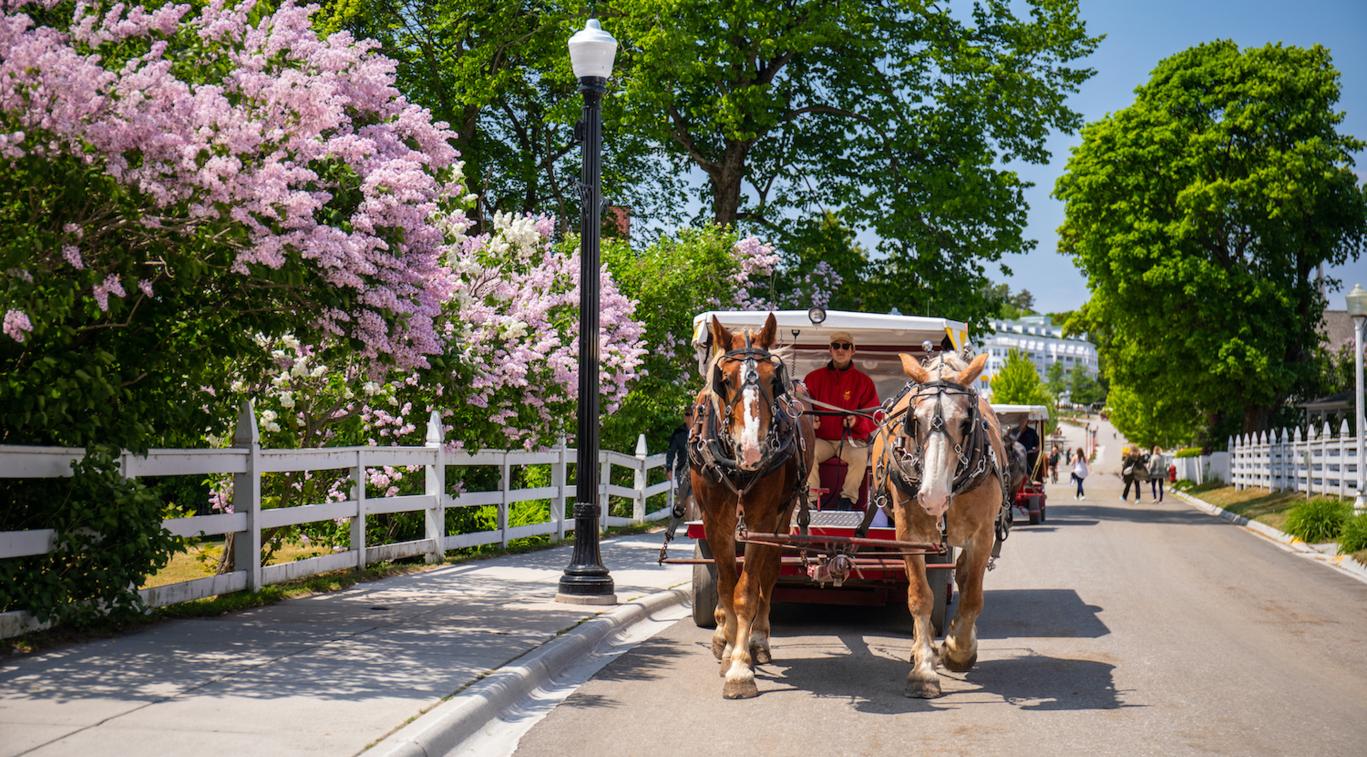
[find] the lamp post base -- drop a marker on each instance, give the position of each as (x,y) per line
(586,599)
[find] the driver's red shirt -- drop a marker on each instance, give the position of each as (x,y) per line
(847,388)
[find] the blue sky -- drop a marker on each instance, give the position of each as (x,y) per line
(1138,35)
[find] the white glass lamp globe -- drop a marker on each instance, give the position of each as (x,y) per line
(1357,301)
(592,51)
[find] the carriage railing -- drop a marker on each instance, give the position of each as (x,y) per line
(1317,461)
(247,462)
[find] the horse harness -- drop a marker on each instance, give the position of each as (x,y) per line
(904,462)
(713,452)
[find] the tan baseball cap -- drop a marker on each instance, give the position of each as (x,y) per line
(840,336)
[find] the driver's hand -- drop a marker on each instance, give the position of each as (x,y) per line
(816,422)
(849,421)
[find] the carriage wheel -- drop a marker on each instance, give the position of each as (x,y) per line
(1041,511)
(704,588)
(1036,511)
(940,588)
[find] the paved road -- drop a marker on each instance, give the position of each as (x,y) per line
(1112,628)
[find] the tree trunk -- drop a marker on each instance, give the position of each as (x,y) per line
(726,184)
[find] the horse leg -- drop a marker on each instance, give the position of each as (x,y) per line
(759,630)
(922,682)
(740,676)
(960,649)
(721,538)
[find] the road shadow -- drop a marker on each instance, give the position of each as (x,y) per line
(1041,682)
(1038,613)
(873,681)
(1169,511)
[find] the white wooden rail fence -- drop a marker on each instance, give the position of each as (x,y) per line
(1318,462)
(247,462)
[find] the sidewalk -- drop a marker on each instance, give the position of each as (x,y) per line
(329,674)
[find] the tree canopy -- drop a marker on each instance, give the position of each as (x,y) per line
(1200,215)
(898,117)
(1018,383)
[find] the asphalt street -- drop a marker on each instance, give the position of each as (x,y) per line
(1113,628)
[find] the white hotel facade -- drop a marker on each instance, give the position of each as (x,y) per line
(1041,341)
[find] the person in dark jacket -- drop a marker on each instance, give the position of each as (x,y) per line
(841,384)
(676,467)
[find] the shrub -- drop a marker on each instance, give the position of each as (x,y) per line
(1188,452)
(1317,520)
(1353,535)
(1182,485)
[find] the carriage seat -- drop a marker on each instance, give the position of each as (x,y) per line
(833,477)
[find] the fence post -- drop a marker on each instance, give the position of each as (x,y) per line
(358,523)
(1343,458)
(604,479)
(247,497)
(1325,435)
(504,483)
(1309,456)
(638,506)
(559,473)
(436,489)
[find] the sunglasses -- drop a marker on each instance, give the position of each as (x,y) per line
(842,345)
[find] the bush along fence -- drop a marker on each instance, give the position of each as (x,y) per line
(247,462)
(1320,462)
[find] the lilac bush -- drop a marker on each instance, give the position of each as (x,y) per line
(239,124)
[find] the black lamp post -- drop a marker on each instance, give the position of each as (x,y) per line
(585,580)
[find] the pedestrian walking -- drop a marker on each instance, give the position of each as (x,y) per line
(1054,455)
(1134,472)
(1158,470)
(1079,472)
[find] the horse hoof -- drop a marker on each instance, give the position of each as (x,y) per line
(928,689)
(719,648)
(957,666)
(740,689)
(761,655)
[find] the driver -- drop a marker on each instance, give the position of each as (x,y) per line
(1026,436)
(839,383)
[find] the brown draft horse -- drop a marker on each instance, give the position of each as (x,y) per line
(940,456)
(750,448)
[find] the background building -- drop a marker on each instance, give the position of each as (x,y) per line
(1041,341)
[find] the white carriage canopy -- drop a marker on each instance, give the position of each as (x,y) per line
(879,339)
(1010,415)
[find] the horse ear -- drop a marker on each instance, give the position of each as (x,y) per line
(913,368)
(970,374)
(721,336)
(766,336)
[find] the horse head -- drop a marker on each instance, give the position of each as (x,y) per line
(946,423)
(745,381)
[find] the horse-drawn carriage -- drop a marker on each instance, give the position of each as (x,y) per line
(937,467)
(830,564)
(1028,495)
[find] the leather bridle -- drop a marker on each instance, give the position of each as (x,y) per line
(711,447)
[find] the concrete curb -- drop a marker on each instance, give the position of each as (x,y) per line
(444,727)
(1290,543)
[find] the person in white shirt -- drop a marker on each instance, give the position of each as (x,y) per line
(1080,471)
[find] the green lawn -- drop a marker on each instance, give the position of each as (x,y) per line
(1261,505)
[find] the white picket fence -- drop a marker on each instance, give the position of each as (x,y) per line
(1318,462)
(248,462)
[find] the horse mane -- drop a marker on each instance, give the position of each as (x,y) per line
(949,361)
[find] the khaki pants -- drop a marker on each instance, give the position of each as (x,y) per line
(857,458)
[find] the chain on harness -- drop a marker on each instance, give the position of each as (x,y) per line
(712,450)
(904,462)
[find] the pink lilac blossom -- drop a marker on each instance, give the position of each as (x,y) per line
(109,286)
(17,325)
(250,148)
(757,262)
